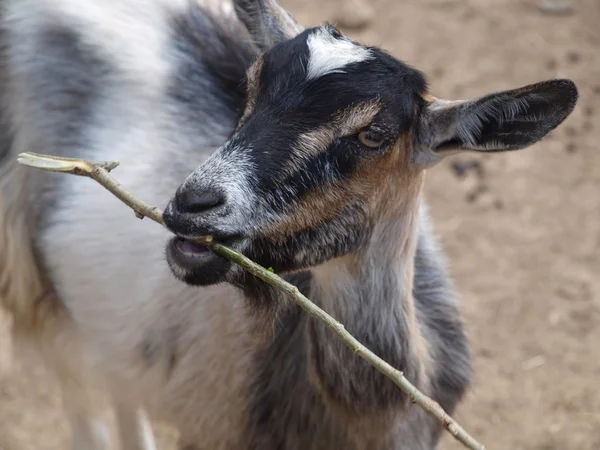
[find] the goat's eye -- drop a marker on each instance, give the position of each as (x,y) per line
(370,138)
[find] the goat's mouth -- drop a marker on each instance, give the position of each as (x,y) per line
(196,264)
(190,248)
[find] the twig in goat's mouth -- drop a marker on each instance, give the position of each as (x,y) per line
(100,173)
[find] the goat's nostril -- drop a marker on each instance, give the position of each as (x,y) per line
(195,203)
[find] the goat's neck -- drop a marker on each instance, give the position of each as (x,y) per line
(375,280)
(370,293)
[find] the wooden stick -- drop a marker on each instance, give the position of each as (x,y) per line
(99,171)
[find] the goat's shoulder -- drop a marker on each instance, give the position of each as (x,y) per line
(440,317)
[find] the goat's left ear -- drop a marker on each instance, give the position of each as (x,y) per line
(268,23)
(502,121)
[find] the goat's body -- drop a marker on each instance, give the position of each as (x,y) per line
(159,92)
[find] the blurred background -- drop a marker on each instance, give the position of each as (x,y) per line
(522,230)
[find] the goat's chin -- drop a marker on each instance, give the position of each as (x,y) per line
(214,274)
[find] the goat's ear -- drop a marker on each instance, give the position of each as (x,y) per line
(502,121)
(267,22)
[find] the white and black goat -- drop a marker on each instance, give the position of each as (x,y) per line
(300,148)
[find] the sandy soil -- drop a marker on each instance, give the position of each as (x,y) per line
(522,230)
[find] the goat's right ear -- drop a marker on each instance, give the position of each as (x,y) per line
(502,121)
(268,23)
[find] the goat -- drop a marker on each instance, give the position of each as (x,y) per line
(299,147)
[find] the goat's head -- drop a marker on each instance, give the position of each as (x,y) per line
(335,136)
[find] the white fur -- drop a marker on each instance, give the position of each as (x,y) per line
(115,313)
(331,55)
(233,170)
(119,312)
(131,33)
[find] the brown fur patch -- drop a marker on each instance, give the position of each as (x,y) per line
(347,122)
(430,98)
(382,186)
(403,193)
(318,206)
(399,194)
(352,119)
(407,200)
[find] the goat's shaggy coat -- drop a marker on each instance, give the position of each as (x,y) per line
(322,146)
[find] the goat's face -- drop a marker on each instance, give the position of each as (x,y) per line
(324,138)
(335,136)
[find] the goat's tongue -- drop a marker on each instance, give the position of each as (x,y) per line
(192,247)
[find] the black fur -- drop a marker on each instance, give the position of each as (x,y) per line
(502,121)
(288,104)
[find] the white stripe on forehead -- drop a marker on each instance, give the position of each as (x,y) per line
(328,54)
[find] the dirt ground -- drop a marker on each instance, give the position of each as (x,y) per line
(522,230)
